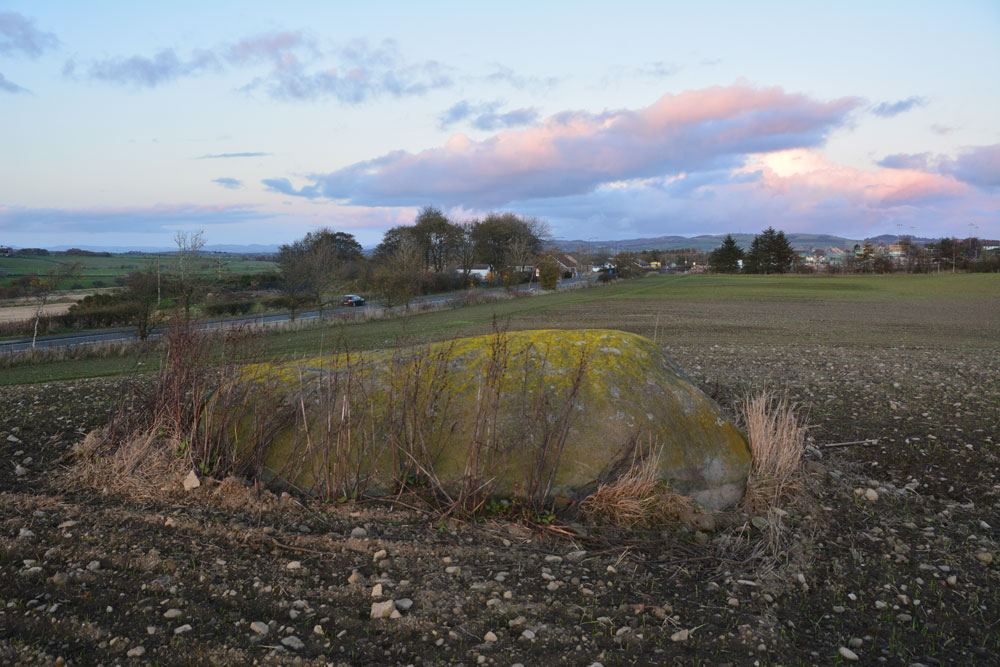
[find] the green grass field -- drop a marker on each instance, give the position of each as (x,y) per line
(103,271)
(883,311)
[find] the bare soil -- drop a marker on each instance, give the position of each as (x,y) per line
(910,577)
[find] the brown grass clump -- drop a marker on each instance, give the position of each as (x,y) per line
(140,466)
(777,441)
(636,499)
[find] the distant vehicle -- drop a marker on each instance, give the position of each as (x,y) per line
(352,300)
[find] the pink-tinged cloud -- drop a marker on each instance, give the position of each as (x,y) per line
(977,165)
(811,176)
(574,152)
(796,191)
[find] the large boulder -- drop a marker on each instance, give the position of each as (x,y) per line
(527,413)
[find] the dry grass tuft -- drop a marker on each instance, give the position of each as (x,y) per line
(777,441)
(140,467)
(636,499)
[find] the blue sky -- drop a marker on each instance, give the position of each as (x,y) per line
(257,122)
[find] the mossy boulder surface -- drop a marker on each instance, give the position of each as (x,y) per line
(548,411)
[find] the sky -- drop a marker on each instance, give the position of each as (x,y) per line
(122,123)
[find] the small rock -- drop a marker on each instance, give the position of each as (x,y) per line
(191,482)
(576,556)
(294,565)
(528,635)
(403,604)
(453,569)
(553,559)
(136,652)
(733,602)
(25,533)
(13,438)
(680,636)
(847,654)
(871,495)
(20,470)
(318,630)
(355,578)
(856,642)
(66,524)
(984,557)
(952,580)
(293,642)
(260,628)
(490,637)
(759,522)
(182,629)
(94,565)
(359,533)
(382,609)
(379,555)
(377,591)
(172,613)
(837,609)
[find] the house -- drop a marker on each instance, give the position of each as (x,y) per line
(836,256)
(567,263)
(481,271)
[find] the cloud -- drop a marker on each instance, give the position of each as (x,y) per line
(486,116)
(285,187)
(497,121)
(10,87)
(977,165)
(796,191)
(658,69)
(159,217)
(229,183)
(502,74)
(216,156)
(361,73)
(938,128)
(268,46)
(296,68)
(906,161)
(140,71)
(574,152)
(18,35)
(890,109)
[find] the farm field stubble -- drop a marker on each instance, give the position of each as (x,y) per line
(905,575)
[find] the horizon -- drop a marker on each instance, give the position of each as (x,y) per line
(258,124)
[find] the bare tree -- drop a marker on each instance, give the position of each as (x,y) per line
(398,277)
(189,245)
(42,287)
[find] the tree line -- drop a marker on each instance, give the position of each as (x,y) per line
(771,252)
(434,254)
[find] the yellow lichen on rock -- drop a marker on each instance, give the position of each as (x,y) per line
(548,411)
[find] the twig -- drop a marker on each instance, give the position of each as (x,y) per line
(302,549)
(872,441)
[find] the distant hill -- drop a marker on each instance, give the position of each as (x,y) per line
(709,242)
(251,249)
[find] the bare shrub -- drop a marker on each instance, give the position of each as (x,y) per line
(777,441)
(191,416)
(637,498)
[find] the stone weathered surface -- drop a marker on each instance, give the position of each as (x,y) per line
(424,407)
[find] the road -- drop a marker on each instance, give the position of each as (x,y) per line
(128,334)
